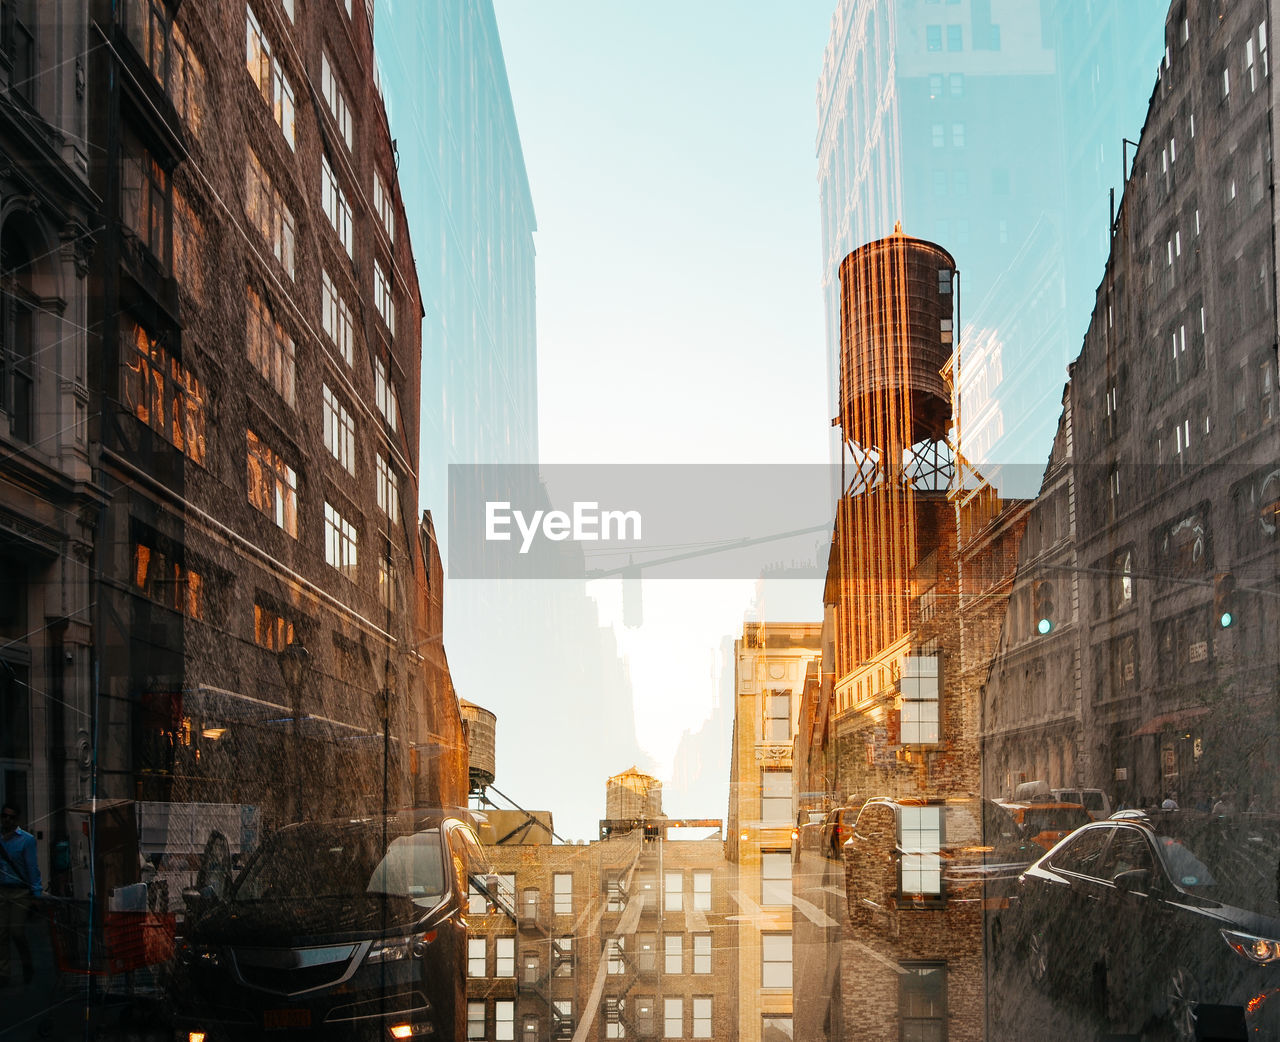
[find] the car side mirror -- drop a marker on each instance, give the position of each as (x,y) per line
(1135,881)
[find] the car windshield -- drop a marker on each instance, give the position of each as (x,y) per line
(1223,861)
(346,865)
(1054,819)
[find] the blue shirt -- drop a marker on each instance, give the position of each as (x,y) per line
(20,845)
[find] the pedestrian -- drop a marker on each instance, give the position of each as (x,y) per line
(19,887)
(1169,802)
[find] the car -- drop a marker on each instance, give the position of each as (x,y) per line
(1168,923)
(807,835)
(340,929)
(1095,801)
(1045,821)
(838,827)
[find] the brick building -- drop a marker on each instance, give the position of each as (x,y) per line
(1168,449)
(629,936)
(771,663)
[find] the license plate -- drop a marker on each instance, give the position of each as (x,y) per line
(286,1018)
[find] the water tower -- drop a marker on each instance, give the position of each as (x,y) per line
(480,727)
(896,337)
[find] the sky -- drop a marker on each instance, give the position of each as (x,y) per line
(670,155)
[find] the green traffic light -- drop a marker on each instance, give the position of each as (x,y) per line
(1045,625)
(1226,620)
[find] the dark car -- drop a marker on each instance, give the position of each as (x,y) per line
(346,930)
(1168,920)
(838,827)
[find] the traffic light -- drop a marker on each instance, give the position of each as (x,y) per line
(1224,599)
(1042,601)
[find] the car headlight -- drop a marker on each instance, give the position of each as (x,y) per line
(198,954)
(397,948)
(1262,950)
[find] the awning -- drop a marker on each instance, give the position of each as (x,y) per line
(1170,721)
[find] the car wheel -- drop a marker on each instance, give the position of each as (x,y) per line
(1038,957)
(1179,1007)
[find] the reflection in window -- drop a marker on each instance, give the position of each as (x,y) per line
(268,76)
(265,210)
(340,432)
(335,204)
(273,485)
(167,580)
(271,630)
(269,347)
(161,392)
(335,317)
(144,198)
(922,993)
(335,99)
(383,298)
(339,542)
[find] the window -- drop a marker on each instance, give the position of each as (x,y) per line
(339,542)
(270,630)
(673,1018)
(922,994)
(144,198)
(265,210)
(273,485)
(562,1010)
(475,1020)
(145,23)
(335,317)
(614,1008)
(957,135)
(702,1016)
(613,955)
(383,297)
(933,37)
(646,952)
(335,204)
(388,490)
(504,1020)
(157,388)
(920,841)
(335,99)
(476,957)
(269,347)
(956,83)
(938,135)
(955,38)
(384,392)
(646,1011)
(166,579)
(384,206)
(340,431)
(673,953)
(777,716)
(775,877)
(775,949)
(701,890)
(614,898)
(775,1029)
(673,892)
(563,893)
(186,82)
(919,685)
(504,957)
(269,77)
(477,903)
(188,242)
(702,953)
(562,956)
(775,797)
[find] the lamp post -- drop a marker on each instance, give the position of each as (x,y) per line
(384,699)
(294,662)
